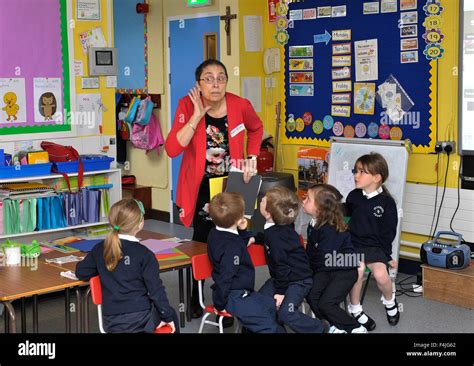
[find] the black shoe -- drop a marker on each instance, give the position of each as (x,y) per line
(196,312)
(369,324)
(226,322)
(393,320)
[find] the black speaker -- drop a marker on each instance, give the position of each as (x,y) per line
(467,181)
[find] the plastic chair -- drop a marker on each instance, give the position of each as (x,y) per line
(96,294)
(257,255)
(202,270)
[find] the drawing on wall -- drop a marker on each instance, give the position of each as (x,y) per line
(13,102)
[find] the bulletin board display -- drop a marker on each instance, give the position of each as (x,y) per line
(359,69)
(131,41)
(35,87)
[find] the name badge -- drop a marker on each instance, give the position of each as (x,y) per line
(237,130)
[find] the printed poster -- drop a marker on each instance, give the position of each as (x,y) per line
(47,94)
(366,60)
(312,168)
(364,98)
(13,100)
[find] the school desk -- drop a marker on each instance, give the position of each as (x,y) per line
(31,280)
(190,248)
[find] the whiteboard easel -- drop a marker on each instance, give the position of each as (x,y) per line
(344,153)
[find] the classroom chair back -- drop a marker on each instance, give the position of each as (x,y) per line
(257,255)
(96,294)
(202,270)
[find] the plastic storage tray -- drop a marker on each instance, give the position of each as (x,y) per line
(31,170)
(90,162)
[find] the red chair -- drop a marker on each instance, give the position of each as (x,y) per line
(257,255)
(202,270)
(96,294)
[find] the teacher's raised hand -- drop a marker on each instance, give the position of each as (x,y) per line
(199,109)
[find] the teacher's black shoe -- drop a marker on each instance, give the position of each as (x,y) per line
(227,322)
(196,311)
(393,315)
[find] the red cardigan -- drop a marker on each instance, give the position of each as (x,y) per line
(240,117)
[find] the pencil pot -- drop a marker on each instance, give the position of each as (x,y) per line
(12,252)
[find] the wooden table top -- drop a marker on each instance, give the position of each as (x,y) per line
(38,277)
(33,278)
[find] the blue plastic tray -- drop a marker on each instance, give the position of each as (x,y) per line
(90,162)
(31,170)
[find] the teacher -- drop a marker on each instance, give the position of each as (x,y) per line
(209,128)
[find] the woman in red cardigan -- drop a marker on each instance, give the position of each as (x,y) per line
(209,128)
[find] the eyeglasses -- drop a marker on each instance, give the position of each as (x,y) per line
(212,80)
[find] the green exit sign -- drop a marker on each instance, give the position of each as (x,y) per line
(196,3)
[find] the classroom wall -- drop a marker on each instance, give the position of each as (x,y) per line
(422,168)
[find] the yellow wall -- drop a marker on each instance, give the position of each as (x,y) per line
(108,94)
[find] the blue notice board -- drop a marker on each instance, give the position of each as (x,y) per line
(314,112)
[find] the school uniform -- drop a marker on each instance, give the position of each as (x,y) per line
(133,296)
(234,279)
(291,276)
(334,263)
(373,224)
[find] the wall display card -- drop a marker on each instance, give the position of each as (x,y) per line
(341,111)
(342,35)
(302,77)
(78,68)
(364,98)
(13,100)
(339,11)
(90,83)
(342,73)
(253,33)
(409,57)
(325,12)
(89,116)
(92,38)
(301,64)
(372,8)
(301,51)
(366,60)
(310,14)
(343,98)
(301,90)
(48,99)
(341,86)
(296,14)
(389,6)
(252,90)
(408,44)
(410,17)
(88,10)
(341,61)
(409,31)
(341,49)
(408,4)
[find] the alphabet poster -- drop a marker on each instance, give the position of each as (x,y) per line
(12,100)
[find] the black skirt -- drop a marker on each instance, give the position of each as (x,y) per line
(372,255)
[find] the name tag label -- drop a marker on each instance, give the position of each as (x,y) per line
(237,130)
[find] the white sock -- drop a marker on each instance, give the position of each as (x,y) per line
(354,309)
(360,329)
(390,304)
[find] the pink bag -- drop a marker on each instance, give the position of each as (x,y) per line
(147,137)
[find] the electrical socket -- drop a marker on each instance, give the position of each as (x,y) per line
(441,146)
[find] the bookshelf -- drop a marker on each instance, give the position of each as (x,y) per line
(115,195)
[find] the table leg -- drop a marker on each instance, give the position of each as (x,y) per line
(182,314)
(78,310)
(188,294)
(35,313)
(10,324)
(5,320)
(23,315)
(68,313)
(86,310)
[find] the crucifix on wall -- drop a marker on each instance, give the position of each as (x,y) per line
(227,18)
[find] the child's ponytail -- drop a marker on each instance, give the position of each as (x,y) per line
(125,216)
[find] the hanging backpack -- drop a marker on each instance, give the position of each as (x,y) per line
(147,137)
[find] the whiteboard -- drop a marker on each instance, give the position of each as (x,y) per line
(344,153)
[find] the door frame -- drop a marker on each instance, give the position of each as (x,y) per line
(168,91)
